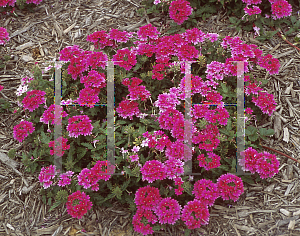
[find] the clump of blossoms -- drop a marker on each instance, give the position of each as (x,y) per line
(4,36)
(168,211)
(46,174)
(226,190)
(263,163)
(78,204)
(206,196)
(200,216)
(146,199)
(1,87)
(83,127)
(88,178)
(180,10)
(63,146)
(48,115)
(33,99)
(21,130)
(153,170)
(65,179)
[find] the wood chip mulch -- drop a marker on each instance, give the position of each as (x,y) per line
(264,209)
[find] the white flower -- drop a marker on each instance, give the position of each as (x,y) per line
(256,29)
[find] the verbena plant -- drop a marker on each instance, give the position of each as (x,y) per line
(82,154)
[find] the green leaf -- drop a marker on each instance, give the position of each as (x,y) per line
(55,204)
(45,139)
(187,232)
(253,137)
(263,131)
(88,145)
(225,89)
(233,20)
(156,228)
(252,130)
(81,152)
(270,132)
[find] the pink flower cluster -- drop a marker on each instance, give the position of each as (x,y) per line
(59,149)
(46,174)
(149,201)
(125,58)
(206,196)
(1,87)
(4,3)
(263,163)
(48,115)
(280,8)
(33,99)
(135,91)
(210,162)
(228,191)
(153,170)
(64,179)
(88,178)
(265,102)
(21,130)
(252,11)
(83,127)
(4,36)
(178,181)
(180,10)
(201,214)
(78,204)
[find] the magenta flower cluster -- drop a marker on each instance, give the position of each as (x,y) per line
(180,10)
(59,149)
(263,163)
(83,127)
(152,207)
(46,174)
(33,99)
(4,36)
(88,178)
(280,8)
(4,3)
(78,204)
(21,130)
(48,115)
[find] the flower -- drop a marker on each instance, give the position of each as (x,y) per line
(281,8)
(201,214)
(228,191)
(137,221)
(4,36)
(168,211)
(78,204)
(59,149)
(153,170)
(46,174)
(206,196)
(1,87)
(20,130)
(147,197)
(214,161)
(33,99)
(256,29)
(180,10)
(64,180)
(84,126)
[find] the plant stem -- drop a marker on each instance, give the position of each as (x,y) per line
(281,36)
(281,153)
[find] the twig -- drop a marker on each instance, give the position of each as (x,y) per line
(281,153)
(282,36)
